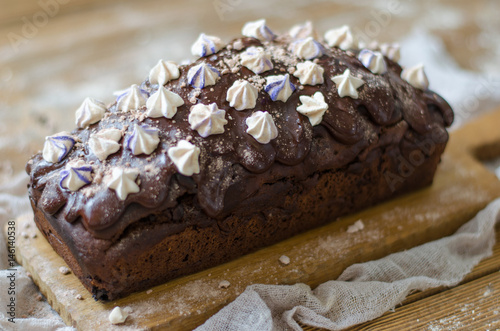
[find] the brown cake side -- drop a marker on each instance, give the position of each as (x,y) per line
(247,194)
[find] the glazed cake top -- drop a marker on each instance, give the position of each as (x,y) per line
(256,110)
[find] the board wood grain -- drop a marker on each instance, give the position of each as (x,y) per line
(461,188)
(472,306)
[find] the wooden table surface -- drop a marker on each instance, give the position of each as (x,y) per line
(54,53)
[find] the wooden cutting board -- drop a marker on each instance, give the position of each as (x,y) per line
(461,188)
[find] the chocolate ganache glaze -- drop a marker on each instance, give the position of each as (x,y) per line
(234,165)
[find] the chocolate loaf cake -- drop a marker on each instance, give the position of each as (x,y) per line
(255,141)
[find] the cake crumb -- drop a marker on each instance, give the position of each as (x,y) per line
(284,259)
(224,284)
(24,235)
(238,45)
(128,310)
(488,291)
(117,316)
(38,297)
(34,235)
(78,297)
(149,291)
(357,226)
(64,270)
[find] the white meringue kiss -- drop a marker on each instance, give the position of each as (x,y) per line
(57,146)
(307,48)
(258,29)
(206,45)
(279,87)
(202,75)
(416,76)
(342,38)
(256,59)
(143,140)
(163,72)
(75,175)
(313,107)
(132,98)
(347,85)
(123,182)
(304,30)
(105,142)
(163,103)
(309,73)
(207,119)
(261,126)
(373,61)
(242,95)
(391,51)
(185,157)
(91,111)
